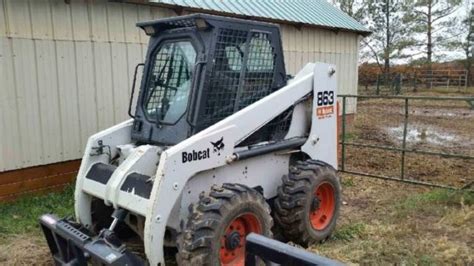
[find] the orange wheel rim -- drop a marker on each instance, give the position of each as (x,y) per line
(232,250)
(323,206)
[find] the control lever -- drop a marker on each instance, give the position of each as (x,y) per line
(118,215)
(108,235)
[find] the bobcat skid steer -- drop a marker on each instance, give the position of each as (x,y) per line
(222,144)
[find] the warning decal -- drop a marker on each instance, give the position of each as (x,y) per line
(325,111)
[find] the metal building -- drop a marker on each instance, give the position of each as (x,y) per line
(66,68)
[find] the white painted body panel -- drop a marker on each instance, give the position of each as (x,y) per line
(117,135)
(172,175)
(263,171)
(322,140)
(178,178)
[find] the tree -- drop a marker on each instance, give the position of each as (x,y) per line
(357,9)
(468,44)
(432,19)
(391,31)
(354,8)
(388,23)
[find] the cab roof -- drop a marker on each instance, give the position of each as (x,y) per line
(196,20)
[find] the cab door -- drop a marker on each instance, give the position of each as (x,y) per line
(167,89)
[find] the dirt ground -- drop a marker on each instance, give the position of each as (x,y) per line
(381,222)
(433,126)
(387,222)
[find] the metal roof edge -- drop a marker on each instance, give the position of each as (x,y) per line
(257,18)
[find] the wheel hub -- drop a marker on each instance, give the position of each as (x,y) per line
(322,206)
(232,240)
(315,204)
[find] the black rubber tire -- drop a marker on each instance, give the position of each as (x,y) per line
(295,198)
(199,244)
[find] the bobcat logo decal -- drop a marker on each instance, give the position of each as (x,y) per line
(218,145)
(197,155)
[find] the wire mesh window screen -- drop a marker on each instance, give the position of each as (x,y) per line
(225,75)
(170,81)
(260,70)
(242,74)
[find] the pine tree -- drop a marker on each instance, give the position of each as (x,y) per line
(391,34)
(433,20)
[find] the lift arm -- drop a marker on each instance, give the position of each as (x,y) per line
(214,146)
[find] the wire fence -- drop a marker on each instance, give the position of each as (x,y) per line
(413,139)
(399,83)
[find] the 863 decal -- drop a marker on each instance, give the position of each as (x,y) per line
(325,98)
(325,103)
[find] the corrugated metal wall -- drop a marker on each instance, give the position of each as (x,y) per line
(66,71)
(318,45)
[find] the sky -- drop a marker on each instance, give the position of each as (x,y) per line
(448,54)
(417,52)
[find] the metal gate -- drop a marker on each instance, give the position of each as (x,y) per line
(413,139)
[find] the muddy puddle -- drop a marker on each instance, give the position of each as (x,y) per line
(442,112)
(423,134)
(454,112)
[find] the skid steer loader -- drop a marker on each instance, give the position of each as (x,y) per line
(222,143)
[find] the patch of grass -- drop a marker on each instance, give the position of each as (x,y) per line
(441,196)
(349,231)
(347,181)
(349,136)
(435,198)
(426,260)
(21,216)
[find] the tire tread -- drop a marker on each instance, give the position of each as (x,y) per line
(290,204)
(195,242)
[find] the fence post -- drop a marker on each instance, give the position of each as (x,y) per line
(467,77)
(343,146)
(414,82)
(449,79)
(401,82)
(398,84)
(404,142)
(377,88)
(459,83)
(431,80)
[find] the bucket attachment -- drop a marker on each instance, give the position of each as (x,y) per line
(71,246)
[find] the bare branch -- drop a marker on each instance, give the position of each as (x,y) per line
(374,54)
(448,12)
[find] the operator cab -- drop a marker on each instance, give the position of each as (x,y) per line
(200,69)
